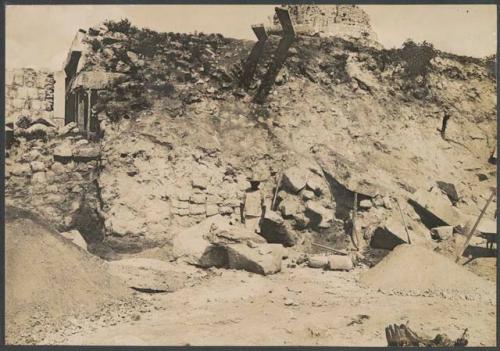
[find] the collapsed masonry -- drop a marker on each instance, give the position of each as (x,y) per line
(344,21)
(180,136)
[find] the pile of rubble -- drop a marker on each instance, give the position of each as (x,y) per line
(181,134)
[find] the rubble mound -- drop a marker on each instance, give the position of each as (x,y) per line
(415,268)
(50,279)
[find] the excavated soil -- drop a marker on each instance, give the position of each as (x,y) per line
(49,279)
(415,268)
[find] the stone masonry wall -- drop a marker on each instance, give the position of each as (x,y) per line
(340,20)
(29,93)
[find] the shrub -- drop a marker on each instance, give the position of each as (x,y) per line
(417,58)
(122,26)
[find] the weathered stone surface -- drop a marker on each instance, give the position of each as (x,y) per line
(487,226)
(290,207)
(389,235)
(442,233)
(264,259)
(192,245)
(450,190)
(196,209)
(319,215)
(340,263)
(20,169)
(317,261)
(295,178)
(58,168)
(68,128)
(122,67)
(365,204)
(275,229)
(87,153)
(76,238)
(307,194)
(38,177)
(434,208)
(199,181)
(184,196)
(63,152)
(212,210)
(223,233)
(198,198)
(180,204)
(37,166)
(225,210)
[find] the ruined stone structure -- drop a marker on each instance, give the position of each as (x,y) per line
(81,87)
(346,21)
(30,93)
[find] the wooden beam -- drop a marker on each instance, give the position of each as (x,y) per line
(473,230)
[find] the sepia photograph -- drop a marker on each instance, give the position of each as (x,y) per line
(250,174)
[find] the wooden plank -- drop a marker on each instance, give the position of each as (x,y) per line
(404,222)
(338,252)
(469,236)
(276,191)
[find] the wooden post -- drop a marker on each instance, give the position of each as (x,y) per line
(276,191)
(404,222)
(355,238)
(469,236)
(280,55)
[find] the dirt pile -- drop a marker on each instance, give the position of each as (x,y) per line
(417,269)
(49,280)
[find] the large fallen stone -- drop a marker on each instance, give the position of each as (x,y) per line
(276,230)
(434,208)
(192,245)
(222,233)
(295,179)
(262,259)
(290,207)
(317,261)
(389,235)
(450,190)
(320,216)
(340,263)
(487,226)
(76,238)
(442,233)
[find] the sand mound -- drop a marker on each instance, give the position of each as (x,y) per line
(49,279)
(411,267)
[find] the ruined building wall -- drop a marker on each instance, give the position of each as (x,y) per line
(30,93)
(340,20)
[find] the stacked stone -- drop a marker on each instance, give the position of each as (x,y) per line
(339,20)
(199,202)
(29,93)
(47,178)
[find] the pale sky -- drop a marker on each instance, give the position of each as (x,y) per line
(39,36)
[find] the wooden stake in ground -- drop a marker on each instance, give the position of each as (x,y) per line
(278,183)
(338,252)
(355,238)
(404,222)
(469,236)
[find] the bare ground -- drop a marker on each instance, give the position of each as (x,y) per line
(299,306)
